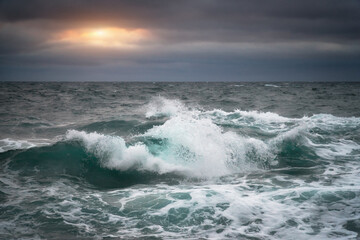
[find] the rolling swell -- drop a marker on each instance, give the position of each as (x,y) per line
(189,142)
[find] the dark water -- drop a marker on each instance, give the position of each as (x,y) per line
(180,160)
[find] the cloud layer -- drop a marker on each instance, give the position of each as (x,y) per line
(204,40)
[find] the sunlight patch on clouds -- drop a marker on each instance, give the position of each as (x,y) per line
(104,37)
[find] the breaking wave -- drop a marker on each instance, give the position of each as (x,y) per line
(199,143)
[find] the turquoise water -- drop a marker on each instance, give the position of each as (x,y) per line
(180,160)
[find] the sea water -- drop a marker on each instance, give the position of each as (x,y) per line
(180,160)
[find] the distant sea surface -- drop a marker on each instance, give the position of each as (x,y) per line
(180,161)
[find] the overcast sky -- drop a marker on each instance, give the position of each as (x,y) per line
(195,40)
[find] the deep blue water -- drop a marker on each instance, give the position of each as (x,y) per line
(179,160)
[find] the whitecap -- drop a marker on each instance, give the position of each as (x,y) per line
(8,144)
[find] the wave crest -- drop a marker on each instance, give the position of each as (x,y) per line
(199,143)
(214,143)
(114,154)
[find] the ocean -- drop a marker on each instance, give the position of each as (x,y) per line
(180,161)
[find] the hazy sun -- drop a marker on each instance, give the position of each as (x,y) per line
(104,37)
(99,33)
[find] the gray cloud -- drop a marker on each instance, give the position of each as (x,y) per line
(206,38)
(278,19)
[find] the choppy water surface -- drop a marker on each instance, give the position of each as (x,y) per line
(180,160)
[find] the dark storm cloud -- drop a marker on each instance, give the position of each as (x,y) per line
(229,20)
(21,38)
(203,39)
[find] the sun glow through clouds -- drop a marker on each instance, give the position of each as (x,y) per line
(105,37)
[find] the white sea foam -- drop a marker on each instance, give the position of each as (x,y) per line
(265,117)
(340,148)
(160,106)
(204,146)
(238,210)
(114,153)
(271,85)
(13,144)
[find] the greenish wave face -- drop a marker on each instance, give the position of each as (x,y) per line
(128,163)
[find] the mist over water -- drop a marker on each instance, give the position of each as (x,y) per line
(180,160)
